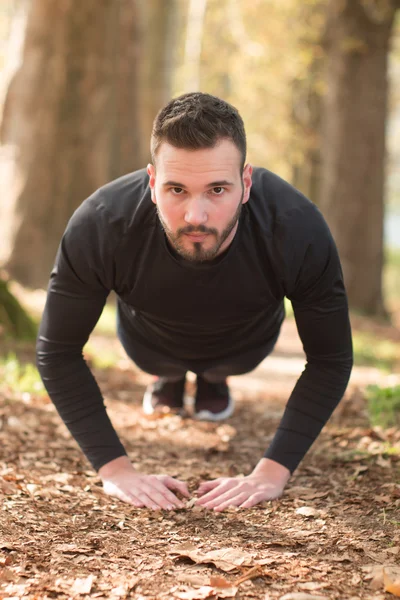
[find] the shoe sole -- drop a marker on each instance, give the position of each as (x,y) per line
(149,409)
(207,415)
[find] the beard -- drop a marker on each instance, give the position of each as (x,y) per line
(199,254)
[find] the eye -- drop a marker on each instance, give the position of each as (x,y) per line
(177,191)
(218,191)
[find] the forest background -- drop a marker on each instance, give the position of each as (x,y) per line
(318,85)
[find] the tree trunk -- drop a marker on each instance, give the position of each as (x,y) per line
(70,118)
(193,43)
(353,145)
(161,24)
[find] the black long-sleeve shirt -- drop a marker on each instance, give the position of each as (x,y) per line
(197,313)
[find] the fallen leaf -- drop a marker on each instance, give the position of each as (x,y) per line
(382,462)
(301,596)
(201,594)
(375,574)
(219,582)
(308,511)
(391,580)
(83,585)
(385,499)
(7,575)
(226,592)
(73,548)
(226,559)
(298,491)
(192,578)
(345,557)
(311,586)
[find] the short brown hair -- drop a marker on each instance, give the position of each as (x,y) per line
(196,120)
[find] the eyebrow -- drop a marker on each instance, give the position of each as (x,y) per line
(221,183)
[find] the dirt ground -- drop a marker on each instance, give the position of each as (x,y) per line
(334,534)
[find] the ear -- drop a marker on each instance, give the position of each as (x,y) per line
(151,171)
(247,181)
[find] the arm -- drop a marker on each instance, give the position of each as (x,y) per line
(321,312)
(79,284)
(312,278)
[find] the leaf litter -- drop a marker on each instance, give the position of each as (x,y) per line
(334,534)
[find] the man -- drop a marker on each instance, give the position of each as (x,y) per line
(201,250)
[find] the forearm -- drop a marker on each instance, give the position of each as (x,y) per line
(78,400)
(314,398)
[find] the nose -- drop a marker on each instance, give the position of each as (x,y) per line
(195,212)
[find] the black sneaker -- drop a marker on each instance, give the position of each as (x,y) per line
(164,396)
(213,401)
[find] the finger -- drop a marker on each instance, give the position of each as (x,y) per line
(207,486)
(176,484)
(217,491)
(253,500)
(112,490)
(164,496)
(235,501)
(135,501)
(225,497)
(147,499)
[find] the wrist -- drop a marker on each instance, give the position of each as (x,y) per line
(272,470)
(117,464)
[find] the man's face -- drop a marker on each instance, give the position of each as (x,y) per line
(199,195)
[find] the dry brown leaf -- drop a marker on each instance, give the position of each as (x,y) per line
(219,582)
(308,511)
(304,493)
(226,559)
(83,585)
(226,592)
(192,578)
(391,580)
(301,596)
(385,499)
(311,586)
(201,594)
(7,575)
(375,574)
(73,548)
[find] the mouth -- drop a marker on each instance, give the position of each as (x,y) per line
(196,237)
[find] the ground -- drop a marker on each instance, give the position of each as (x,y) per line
(330,535)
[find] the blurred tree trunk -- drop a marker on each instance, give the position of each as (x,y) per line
(161,22)
(193,43)
(353,144)
(305,148)
(70,117)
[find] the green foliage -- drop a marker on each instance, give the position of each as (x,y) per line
(107,322)
(391,274)
(101,358)
(288,309)
(18,378)
(384,405)
(14,320)
(374,352)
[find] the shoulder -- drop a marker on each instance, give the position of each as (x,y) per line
(127,198)
(282,210)
(117,204)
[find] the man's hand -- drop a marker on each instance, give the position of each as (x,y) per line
(266,482)
(151,491)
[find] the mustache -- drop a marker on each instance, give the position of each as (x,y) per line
(199,229)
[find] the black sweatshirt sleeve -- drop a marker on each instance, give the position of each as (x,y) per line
(313,280)
(79,285)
